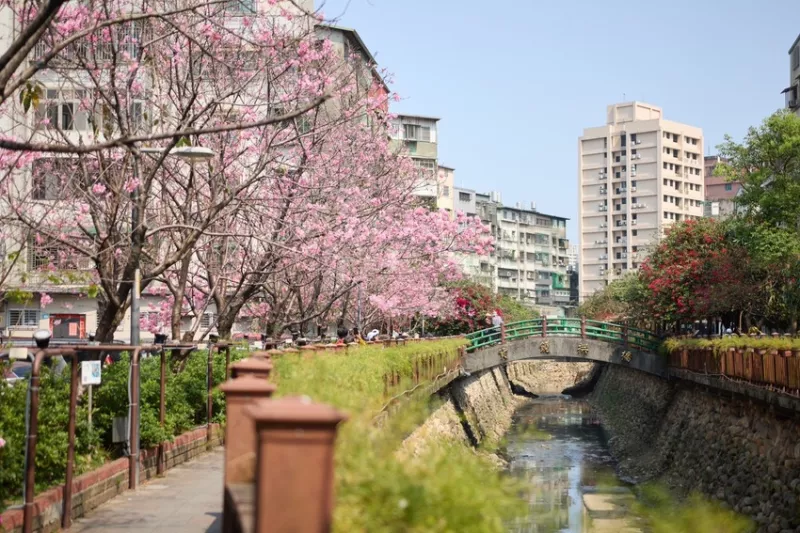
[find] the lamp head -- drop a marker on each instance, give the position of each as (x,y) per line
(193,154)
(42,338)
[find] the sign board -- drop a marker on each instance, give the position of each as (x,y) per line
(18,352)
(90,373)
(45,315)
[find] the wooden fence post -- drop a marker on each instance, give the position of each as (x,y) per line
(240,436)
(294,470)
(260,368)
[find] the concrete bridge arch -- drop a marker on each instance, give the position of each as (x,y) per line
(564,348)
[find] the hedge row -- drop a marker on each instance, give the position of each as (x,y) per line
(186,409)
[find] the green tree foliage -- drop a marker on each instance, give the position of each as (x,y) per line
(620,299)
(768,165)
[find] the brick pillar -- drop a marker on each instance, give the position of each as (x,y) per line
(544,326)
(294,473)
(259,368)
(583,327)
(240,435)
(262,355)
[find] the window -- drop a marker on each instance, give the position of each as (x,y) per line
(446,191)
(60,111)
(53,256)
(240,6)
(623,139)
(729,186)
(633,182)
(50,178)
(136,115)
(666,215)
(25,318)
(635,233)
(426,164)
(464,197)
(633,139)
(634,216)
(796,57)
(415,132)
(206,320)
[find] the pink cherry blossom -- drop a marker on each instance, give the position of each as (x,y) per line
(45,300)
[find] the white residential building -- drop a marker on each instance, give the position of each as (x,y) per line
(531,252)
(637,174)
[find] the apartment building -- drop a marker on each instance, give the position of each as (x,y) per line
(445,198)
(792,92)
(531,252)
(417,136)
(720,194)
(637,174)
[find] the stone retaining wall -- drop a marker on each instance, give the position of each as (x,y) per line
(98,486)
(477,409)
(739,452)
(546,377)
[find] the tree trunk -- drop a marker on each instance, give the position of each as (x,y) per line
(178,293)
(109,318)
(225,323)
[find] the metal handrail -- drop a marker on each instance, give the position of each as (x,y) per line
(565,327)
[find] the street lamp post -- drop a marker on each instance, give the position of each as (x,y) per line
(192,155)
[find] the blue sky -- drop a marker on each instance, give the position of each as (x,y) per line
(516,81)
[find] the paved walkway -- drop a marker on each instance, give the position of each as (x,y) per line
(188,499)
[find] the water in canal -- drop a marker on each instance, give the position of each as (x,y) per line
(557,447)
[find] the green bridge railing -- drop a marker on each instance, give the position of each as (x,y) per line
(639,339)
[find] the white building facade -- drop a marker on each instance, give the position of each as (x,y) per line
(637,175)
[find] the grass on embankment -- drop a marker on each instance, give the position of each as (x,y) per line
(721,345)
(663,513)
(447,488)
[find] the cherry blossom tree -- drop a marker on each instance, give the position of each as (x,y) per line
(111,88)
(302,205)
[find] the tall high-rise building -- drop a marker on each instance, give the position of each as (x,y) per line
(636,175)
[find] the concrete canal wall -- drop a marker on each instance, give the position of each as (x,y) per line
(740,452)
(477,409)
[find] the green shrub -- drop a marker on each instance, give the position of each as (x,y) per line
(448,487)
(185,409)
(696,514)
(52,436)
